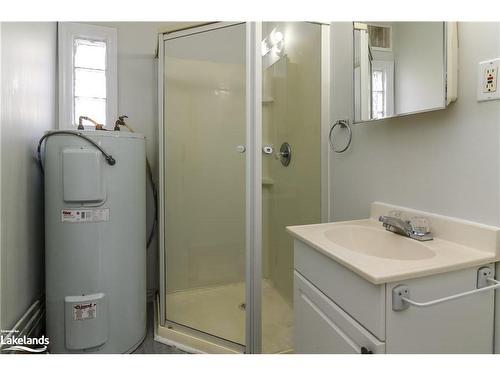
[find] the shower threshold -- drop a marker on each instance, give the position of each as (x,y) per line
(277,320)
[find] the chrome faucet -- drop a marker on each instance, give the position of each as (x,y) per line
(418,231)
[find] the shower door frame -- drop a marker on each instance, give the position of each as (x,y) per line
(253,174)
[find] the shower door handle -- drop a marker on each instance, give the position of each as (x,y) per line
(241,149)
(267,149)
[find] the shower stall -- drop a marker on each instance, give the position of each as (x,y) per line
(243,154)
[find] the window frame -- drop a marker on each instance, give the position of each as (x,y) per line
(67,33)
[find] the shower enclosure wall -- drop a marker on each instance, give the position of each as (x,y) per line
(231,94)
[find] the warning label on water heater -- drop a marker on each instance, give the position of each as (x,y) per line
(85,216)
(85,311)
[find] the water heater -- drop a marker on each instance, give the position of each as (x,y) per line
(95,241)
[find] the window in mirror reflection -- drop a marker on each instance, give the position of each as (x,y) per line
(382,89)
(378,94)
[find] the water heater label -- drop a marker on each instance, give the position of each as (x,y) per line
(84,216)
(84,311)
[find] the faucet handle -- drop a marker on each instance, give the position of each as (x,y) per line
(401,215)
(420,224)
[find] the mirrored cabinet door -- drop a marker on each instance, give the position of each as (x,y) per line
(399,68)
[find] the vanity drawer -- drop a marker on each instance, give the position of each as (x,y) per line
(322,327)
(362,300)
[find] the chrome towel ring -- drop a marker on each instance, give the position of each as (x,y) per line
(343,124)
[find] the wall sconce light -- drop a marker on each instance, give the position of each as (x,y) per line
(273,48)
(273,42)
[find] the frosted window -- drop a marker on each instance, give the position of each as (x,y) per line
(379,93)
(90,83)
(378,83)
(89,77)
(90,54)
(378,103)
(91,107)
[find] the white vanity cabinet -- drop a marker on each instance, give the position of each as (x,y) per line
(338,311)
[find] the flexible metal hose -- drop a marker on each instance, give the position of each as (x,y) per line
(110,159)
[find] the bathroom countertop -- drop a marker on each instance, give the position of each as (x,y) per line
(337,240)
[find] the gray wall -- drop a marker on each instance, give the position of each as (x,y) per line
(445,161)
(28,78)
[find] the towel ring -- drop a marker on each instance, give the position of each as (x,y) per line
(343,124)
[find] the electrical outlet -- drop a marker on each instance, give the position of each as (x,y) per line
(487,80)
(490,79)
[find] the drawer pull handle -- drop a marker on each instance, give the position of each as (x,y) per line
(401,293)
(365,350)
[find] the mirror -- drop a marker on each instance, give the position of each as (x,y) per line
(399,68)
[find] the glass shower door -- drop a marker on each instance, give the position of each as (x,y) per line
(204,138)
(291,187)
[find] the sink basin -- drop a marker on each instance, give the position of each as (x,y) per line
(364,246)
(378,243)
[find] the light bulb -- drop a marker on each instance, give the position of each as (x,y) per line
(277,37)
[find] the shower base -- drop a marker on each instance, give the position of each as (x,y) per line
(220,311)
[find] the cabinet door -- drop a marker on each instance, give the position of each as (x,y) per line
(323,327)
(340,284)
